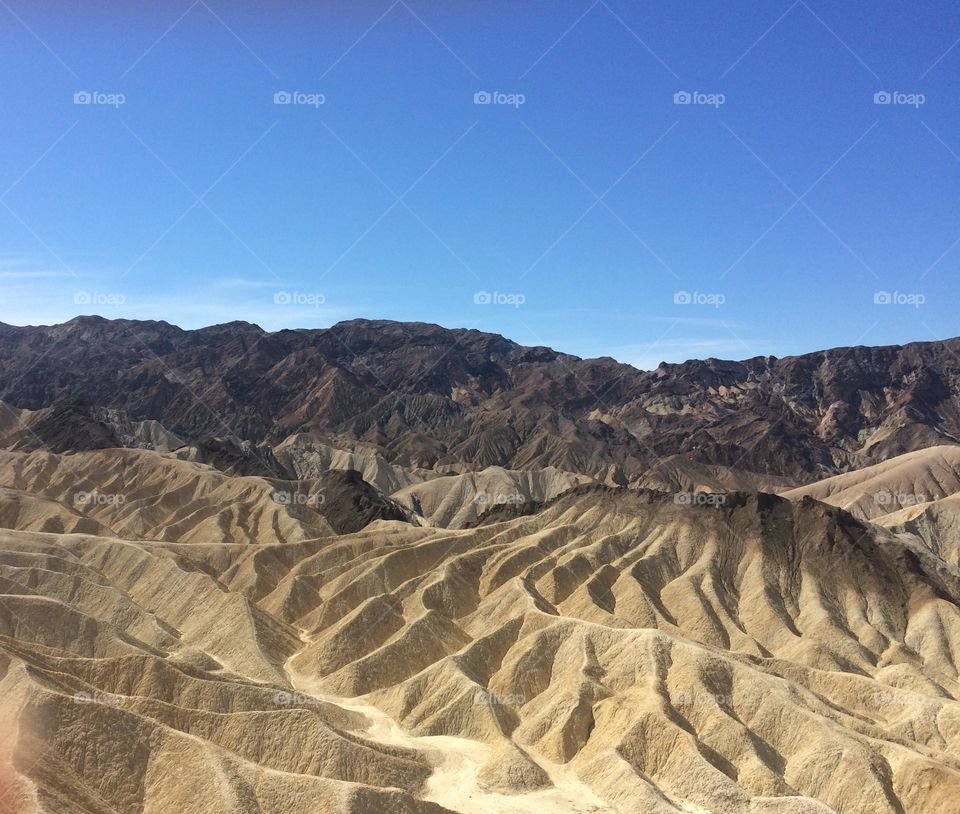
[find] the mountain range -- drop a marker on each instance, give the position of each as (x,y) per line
(429,397)
(392,568)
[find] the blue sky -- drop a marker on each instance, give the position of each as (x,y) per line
(580,207)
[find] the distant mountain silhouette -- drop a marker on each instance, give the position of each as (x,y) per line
(433,397)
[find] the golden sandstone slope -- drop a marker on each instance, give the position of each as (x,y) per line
(200,647)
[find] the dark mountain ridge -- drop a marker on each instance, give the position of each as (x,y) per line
(430,396)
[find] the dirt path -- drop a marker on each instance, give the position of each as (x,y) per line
(456,763)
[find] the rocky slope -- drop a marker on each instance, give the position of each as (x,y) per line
(615,651)
(142,495)
(917,493)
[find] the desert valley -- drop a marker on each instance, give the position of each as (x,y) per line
(392,567)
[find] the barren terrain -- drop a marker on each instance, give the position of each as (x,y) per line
(221,623)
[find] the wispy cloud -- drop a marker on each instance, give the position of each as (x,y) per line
(30,275)
(15,260)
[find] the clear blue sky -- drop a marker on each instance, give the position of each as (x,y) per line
(100,209)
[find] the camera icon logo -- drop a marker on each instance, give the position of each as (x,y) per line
(82,298)
(83,97)
(482,298)
(882,298)
(682,298)
(282,298)
(483,97)
(682,97)
(283,97)
(882,97)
